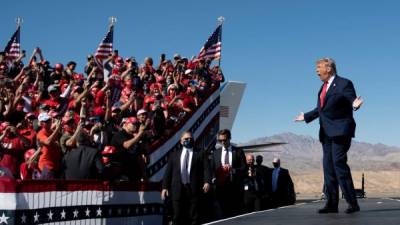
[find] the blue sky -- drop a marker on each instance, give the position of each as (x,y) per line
(270,45)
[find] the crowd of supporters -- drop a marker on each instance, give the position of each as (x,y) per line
(56,123)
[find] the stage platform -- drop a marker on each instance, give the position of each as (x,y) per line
(374,211)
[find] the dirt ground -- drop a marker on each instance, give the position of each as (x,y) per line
(377,183)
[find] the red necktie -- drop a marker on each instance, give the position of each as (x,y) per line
(323,94)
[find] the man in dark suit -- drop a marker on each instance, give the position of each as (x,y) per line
(255,186)
(84,161)
(336,101)
(281,186)
(266,190)
(229,168)
(186,177)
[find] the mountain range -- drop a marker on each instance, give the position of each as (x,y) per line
(302,155)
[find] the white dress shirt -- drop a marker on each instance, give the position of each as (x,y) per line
(224,152)
(185,174)
(330,82)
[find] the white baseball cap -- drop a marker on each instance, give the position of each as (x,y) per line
(43,117)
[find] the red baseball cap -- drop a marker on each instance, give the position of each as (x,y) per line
(109,150)
(132,120)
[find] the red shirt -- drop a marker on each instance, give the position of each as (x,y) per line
(13,150)
(188,102)
(54,104)
(100,98)
(73,106)
(51,154)
(30,134)
(28,173)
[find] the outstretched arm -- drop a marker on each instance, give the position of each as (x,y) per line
(307,117)
(311,115)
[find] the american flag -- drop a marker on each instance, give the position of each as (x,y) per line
(79,202)
(106,45)
(212,48)
(12,49)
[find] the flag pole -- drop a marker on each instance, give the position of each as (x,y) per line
(220,20)
(18,21)
(112,20)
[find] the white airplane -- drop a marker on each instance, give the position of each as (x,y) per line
(231,96)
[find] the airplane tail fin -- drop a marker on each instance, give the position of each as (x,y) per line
(230,97)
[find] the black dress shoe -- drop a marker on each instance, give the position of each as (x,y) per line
(352,209)
(327,210)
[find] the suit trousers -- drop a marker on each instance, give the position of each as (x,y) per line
(252,201)
(230,199)
(336,171)
(185,210)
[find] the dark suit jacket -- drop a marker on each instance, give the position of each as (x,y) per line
(336,117)
(266,173)
(83,162)
(199,174)
(285,189)
(238,163)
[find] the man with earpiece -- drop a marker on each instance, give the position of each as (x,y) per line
(185,179)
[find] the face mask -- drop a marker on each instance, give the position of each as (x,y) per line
(276,165)
(188,143)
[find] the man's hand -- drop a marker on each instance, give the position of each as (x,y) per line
(132,96)
(145,159)
(357,103)
(142,128)
(12,129)
(58,124)
(227,167)
(164,194)
(299,118)
(7,130)
(108,93)
(206,187)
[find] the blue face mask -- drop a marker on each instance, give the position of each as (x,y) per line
(188,143)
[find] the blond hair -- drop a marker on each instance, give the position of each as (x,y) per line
(328,62)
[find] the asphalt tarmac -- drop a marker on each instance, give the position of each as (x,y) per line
(374,211)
